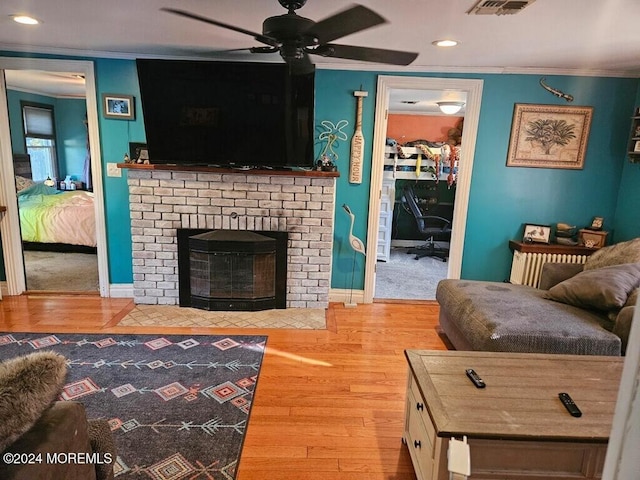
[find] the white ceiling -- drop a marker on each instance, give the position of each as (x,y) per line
(592,37)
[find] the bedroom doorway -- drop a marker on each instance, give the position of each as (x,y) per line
(82,267)
(472,89)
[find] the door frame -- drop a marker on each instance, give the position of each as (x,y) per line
(10,225)
(386,83)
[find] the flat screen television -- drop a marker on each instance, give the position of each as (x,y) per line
(237,114)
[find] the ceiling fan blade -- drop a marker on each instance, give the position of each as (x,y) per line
(258,36)
(366,54)
(352,20)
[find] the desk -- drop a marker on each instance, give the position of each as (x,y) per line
(516,426)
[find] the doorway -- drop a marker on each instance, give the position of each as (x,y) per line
(472,90)
(10,227)
(418,193)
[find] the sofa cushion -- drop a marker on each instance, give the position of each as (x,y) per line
(554,273)
(604,289)
(623,252)
(28,387)
(622,326)
(501,317)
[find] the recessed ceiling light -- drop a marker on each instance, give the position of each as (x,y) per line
(444,43)
(25,20)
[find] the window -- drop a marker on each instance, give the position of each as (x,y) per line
(39,135)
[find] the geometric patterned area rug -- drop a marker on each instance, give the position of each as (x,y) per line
(178,406)
(174,316)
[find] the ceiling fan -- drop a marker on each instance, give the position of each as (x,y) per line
(295,37)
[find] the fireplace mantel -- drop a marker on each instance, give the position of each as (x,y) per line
(206,169)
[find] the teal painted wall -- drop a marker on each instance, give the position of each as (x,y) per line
(627,219)
(501,199)
(72,137)
(118,76)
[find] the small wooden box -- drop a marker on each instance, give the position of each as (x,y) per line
(593,238)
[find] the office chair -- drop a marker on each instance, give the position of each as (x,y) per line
(431,226)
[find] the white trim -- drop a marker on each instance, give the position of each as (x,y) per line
(329,65)
(345,295)
(10,227)
(121,290)
(473,89)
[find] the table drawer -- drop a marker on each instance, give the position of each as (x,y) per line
(420,406)
(418,442)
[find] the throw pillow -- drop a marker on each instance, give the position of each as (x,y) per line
(22,183)
(603,289)
(28,386)
(623,252)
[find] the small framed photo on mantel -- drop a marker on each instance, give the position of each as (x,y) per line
(118,106)
(536,233)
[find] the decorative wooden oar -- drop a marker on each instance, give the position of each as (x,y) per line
(357,143)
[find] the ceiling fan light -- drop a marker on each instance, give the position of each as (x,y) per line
(25,20)
(445,43)
(450,107)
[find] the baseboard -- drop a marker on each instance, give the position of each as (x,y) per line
(121,290)
(346,295)
(4,290)
(406,243)
(417,243)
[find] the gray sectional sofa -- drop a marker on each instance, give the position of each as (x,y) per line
(582,310)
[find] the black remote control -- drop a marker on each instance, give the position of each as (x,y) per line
(475,378)
(569,404)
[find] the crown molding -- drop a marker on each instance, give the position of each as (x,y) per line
(333,65)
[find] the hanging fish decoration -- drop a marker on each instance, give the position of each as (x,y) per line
(555,91)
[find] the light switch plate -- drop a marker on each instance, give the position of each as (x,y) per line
(113,170)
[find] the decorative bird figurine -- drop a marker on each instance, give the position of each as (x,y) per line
(355,242)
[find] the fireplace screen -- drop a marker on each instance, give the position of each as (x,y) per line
(232,270)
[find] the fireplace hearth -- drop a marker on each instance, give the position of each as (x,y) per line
(232,269)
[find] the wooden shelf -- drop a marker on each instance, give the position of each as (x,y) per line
(207,169)
(553,248)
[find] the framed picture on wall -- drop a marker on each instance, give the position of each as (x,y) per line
(118,106)
(536,233)
(549,136)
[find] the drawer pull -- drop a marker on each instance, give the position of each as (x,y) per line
(417,444)
(419,406)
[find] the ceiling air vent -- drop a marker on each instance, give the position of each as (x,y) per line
(498,7)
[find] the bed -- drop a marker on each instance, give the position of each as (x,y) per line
(49,217)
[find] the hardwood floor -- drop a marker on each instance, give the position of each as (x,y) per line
(329,403)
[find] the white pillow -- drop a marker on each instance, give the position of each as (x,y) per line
(23,182)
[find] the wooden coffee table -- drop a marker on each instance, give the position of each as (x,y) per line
(517,428)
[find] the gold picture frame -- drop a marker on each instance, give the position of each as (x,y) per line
(549,136)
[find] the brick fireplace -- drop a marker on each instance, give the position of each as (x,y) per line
(163,200)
